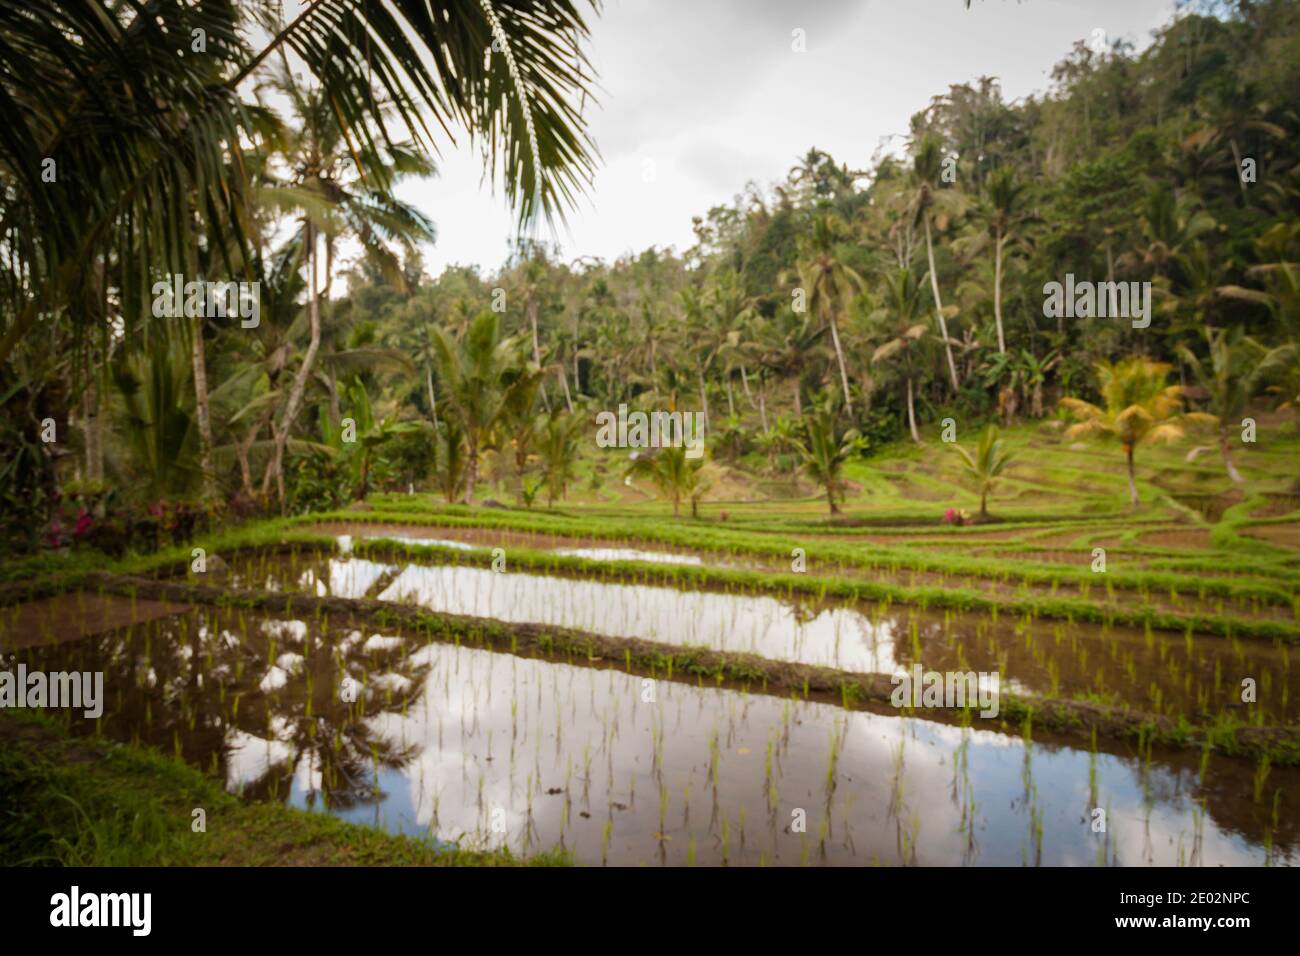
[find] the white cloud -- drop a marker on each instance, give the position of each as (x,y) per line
(713,94)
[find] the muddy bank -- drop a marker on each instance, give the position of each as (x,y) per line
(69,617)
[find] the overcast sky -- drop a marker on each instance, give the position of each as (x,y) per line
(705,95)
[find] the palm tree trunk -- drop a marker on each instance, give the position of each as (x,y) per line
(844,375)
(997,290)
(564,383)
(202,410)
(704,397)
(731,405)
(336,411)
(1236,158)
(275,470)
(471,470)
(762,409)
(1132,481)
(1225,446)
(798,397)
(744,381)
(241,452)
(938,307)
(537,351)
(94,431)
(433,402)
(911,412)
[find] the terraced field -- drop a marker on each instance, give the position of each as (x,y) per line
(629,688)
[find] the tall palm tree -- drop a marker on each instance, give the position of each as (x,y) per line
(1235,368)
(929,203)
(986,465)
(532,278)
(479,374)
(1230,118)
(1001,211)
(336,196)
(828,282)
(896,320)
(1137,406)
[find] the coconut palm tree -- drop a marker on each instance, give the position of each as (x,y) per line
(558,446)
(153,380)
(828,282)
(518,426)
(451,463)
(896,321)
(133,123)
(986,465)
(479,374)
(931,203)
(824,448)
(1234,369)
(1138,406)
(673,474)
(789,345)
(131,139)
(336,197)
(1001,211)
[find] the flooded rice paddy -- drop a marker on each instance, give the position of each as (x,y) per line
(493,749)
(471,538)
(1184,601)
(1174,674)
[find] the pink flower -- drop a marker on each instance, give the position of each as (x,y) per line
(84,524)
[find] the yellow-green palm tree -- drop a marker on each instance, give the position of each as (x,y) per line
(1138,406)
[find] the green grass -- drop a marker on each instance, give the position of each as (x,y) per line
(87,802)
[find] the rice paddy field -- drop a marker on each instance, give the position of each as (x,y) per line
(606,682)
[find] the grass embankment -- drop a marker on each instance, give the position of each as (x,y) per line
(77,801)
